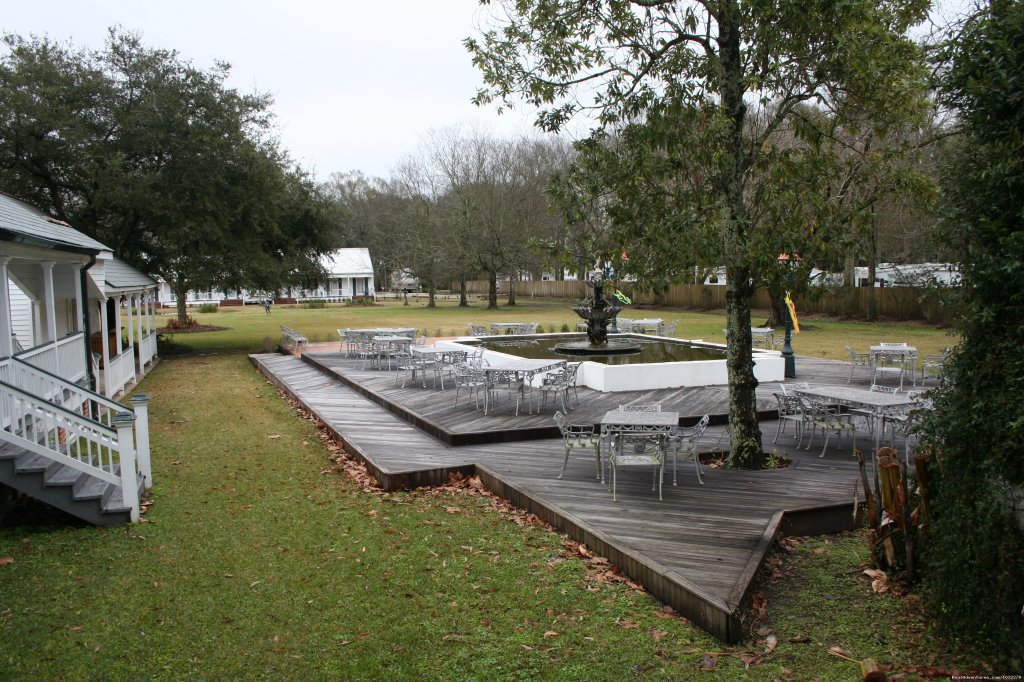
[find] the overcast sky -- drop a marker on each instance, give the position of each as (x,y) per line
(357,84)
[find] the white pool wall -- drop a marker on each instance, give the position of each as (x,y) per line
(769,366)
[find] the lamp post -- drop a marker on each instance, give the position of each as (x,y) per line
(787,346)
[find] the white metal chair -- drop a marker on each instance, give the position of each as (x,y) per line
(559,384)
(685,441)
(789,411)
(668,328)
(638,449)
(472,380)
(934,365)
(578,436)
(857,360)
(830,419)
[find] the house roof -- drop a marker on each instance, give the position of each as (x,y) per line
(119,275)
(348,263)
(21,222)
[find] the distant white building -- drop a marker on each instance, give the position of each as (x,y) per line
(910,275)
(349,276)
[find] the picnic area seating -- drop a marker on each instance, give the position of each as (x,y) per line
(631,449)
(857,360)
(579,436)
(684,441)
(293,340)
(789,410)
(830,418)
(934,365)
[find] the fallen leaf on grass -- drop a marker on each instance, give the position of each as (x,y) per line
(770,643)
(551,633)
(709,663)
(800,640)
(4,560)
(452,510)
(274,436)
(657,634)
(841,653)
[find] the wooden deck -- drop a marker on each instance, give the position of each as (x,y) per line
(698,550)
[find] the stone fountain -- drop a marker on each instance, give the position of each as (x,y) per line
(598,312)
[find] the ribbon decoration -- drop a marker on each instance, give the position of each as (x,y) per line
(792,313)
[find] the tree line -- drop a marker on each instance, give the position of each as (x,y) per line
(179,174)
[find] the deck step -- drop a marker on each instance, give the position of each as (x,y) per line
(89,488)
(30,463)
(59,474)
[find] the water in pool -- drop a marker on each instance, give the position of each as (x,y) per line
(650,351)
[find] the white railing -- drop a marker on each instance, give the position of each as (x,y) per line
(64,436)
(147,349)
(65,357)
(118,372)
(80,400)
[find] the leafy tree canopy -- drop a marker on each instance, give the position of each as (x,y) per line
(697,105)
(158,159)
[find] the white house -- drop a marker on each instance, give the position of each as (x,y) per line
(349,276)
(77,326)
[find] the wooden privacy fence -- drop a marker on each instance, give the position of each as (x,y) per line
(900,303)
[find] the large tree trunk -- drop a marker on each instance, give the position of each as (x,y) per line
(181,292)
(511,290)
(492,290)
(431,291)
(744,432)
(463,299)
(745,435)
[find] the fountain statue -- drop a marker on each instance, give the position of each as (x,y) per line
(597,312)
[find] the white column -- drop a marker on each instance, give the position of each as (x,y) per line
(130,299)
(123,422)
(105,336)
(117,323)
(141,317)
(6,347)
(51,304)
(80,309)
(51,311)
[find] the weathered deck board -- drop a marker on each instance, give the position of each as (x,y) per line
(698,550)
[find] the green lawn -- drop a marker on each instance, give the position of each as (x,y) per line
(260,559)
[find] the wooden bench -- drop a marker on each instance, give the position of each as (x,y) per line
(293,340)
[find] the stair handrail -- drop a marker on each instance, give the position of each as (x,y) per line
(69,438)
(112,406)
(91,405)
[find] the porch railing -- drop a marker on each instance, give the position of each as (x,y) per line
(65,356)
(118,372)
(80,400)
(62,435)
(147,349)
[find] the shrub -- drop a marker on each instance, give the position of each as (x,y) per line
(565,329)
(362,300)
(209,308)
(315,304)
(174,324)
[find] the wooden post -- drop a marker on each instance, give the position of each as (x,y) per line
(123,422)
(140,404)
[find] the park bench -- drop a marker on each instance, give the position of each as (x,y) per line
(293,340)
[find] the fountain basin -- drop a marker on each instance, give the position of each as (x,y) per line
(769,366)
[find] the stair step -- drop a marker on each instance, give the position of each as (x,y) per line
(59,474)
(30,462)
(89,488)
(10,451)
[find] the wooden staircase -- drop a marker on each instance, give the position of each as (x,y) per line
(72,448)
(78,493)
